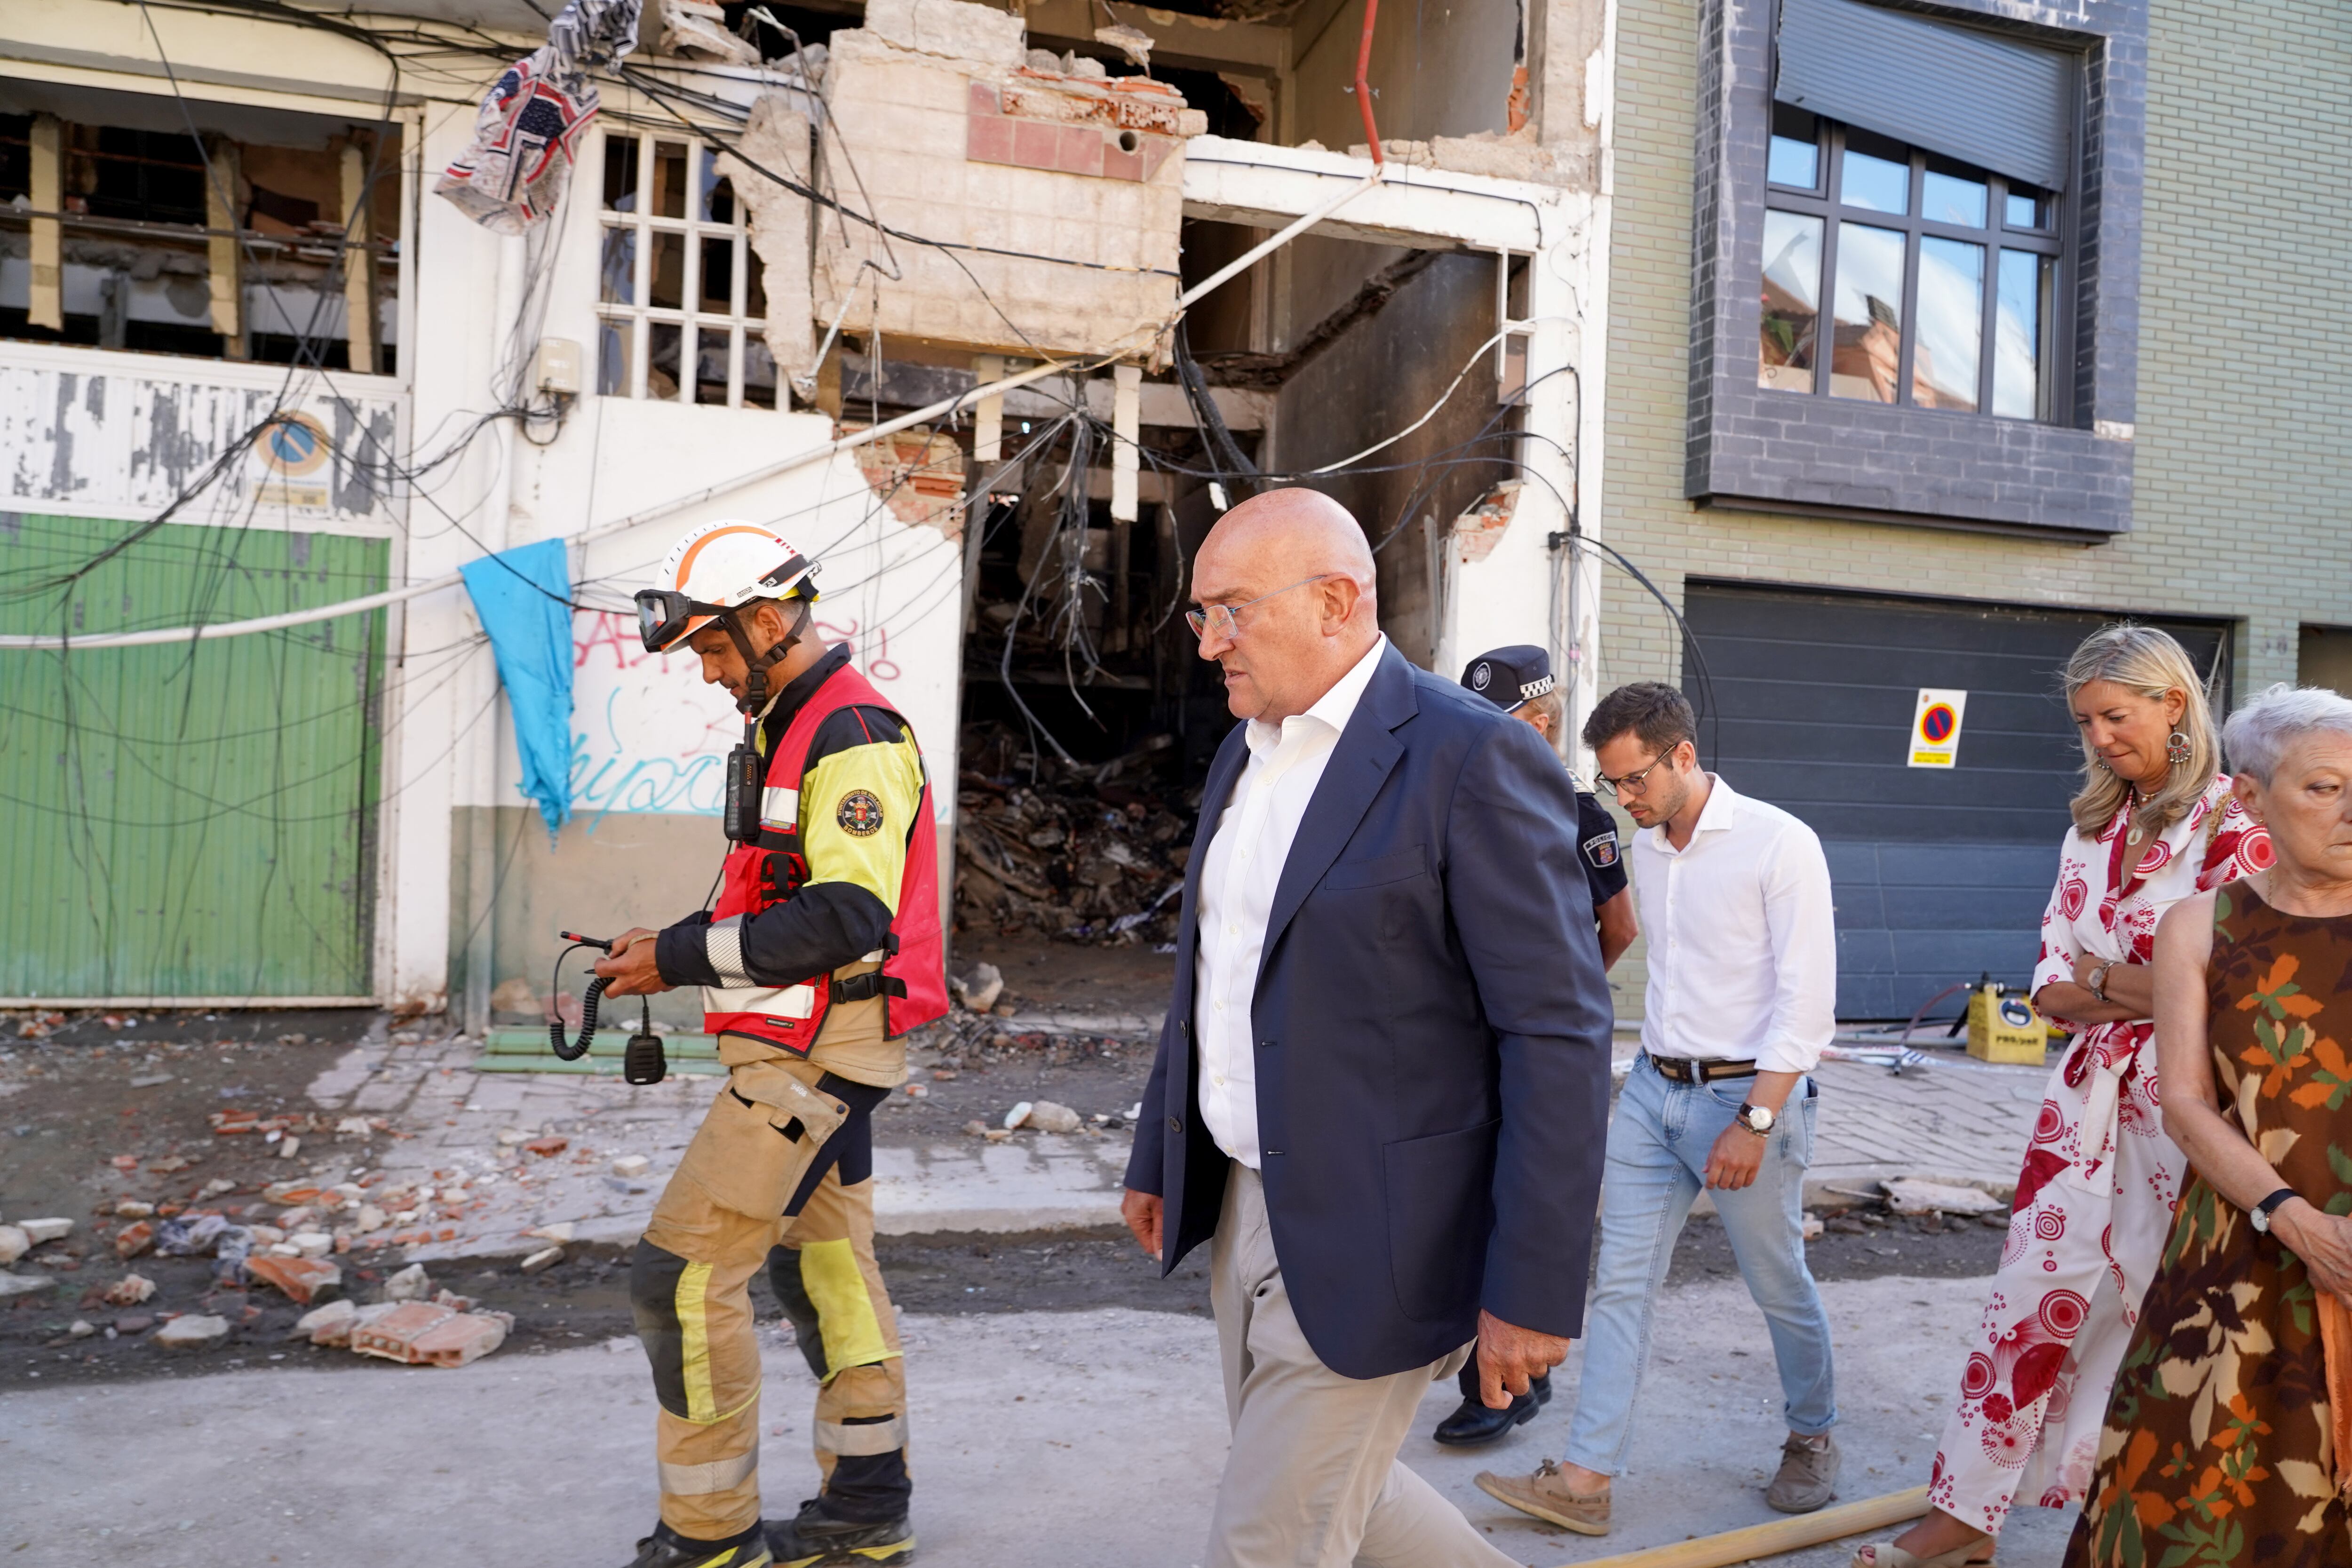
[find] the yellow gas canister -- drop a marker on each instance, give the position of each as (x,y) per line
(2004,1028)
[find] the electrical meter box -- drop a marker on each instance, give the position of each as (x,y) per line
(2005,1028)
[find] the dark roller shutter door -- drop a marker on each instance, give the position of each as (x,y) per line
(1995,103)
(1941,874)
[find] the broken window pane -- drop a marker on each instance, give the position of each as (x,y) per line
(613,344)
(663,345)
(666,288)
(619,282)
(711,346)
(755,285)
(621,174)
(718,283)
(718,196)
(670,179)
(759,371)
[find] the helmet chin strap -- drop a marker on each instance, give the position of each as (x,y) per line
(755,685)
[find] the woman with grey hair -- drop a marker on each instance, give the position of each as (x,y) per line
(2224,1442)
(2153,823)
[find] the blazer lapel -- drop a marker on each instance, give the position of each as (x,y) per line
(1359,764)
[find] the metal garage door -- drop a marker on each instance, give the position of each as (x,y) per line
(187,820)
(1941,874)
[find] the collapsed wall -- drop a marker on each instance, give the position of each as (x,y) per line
(1057,195)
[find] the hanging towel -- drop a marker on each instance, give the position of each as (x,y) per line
(522,597)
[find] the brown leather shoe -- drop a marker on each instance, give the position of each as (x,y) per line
(1807,1476)
(1545,1496)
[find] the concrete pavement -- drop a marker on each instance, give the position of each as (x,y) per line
(466,1136)
(1061,1439)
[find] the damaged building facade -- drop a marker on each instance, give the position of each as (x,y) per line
(993,309)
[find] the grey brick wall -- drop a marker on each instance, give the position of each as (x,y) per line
(2244,468)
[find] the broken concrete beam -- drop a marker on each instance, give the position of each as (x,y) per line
(698,31)
(951,29)
(301,1278)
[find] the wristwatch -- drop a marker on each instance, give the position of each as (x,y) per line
(1757,1120)
(2260,1215)
(2097,983)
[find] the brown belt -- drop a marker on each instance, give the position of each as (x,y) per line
(1685,1070)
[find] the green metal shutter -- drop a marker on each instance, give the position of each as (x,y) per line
(187,820)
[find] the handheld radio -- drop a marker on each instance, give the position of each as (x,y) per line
(644,1061)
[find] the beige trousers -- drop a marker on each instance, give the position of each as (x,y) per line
(1313,1479)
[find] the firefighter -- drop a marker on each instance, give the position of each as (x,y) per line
(821,951)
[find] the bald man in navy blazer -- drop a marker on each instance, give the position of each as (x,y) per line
(1382,1090)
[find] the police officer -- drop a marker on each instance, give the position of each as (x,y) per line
(821,951)
(1518,681)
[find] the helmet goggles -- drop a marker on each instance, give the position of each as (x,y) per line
(665,616)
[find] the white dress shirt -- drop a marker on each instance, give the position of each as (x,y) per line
(1742,944)
(1237,882)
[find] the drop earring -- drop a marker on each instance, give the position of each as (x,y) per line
(2176,748)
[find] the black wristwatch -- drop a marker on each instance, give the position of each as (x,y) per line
(2260,1215)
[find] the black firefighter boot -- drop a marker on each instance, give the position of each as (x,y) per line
(818,1535)
(666,1548)
(1473,1423)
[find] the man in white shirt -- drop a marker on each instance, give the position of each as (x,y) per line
(1735,899)
(1381,1089)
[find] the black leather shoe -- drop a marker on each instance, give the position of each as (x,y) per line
(816,1536)
(666,1548)
(1474,1423)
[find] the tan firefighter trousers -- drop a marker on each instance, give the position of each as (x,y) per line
(712,1229)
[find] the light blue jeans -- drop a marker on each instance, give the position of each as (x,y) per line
(1658,1144)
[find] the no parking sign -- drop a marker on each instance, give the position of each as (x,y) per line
(1936,727)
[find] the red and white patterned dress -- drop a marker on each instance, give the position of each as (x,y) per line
(2095,1197)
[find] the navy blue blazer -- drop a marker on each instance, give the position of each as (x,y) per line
(1433,1031)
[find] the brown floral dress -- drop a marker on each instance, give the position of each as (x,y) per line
(2215,1448)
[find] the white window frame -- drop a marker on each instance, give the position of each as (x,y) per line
(638,318)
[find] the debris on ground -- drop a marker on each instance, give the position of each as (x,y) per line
(191,1331)
(1913,1195)
(425,1333)
(303,1279)
(1058,847)
(14,1244)
(545,1257)
(129,1292)
(14,1284)
(980,989)
(411,1284)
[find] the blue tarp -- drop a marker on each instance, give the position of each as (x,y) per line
(524,599)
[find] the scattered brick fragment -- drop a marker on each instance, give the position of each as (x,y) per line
(304,1279)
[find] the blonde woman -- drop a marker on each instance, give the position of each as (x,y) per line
(2153,823)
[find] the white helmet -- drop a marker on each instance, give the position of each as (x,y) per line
(720,567)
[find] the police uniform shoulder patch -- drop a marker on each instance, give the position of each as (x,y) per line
(859,814)
(1602,849)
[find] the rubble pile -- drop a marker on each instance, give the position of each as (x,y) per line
(1070,855)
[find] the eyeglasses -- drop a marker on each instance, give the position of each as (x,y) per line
(1635,783)
(1226,619)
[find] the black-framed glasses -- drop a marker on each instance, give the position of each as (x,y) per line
(1226,619)
(1635,783)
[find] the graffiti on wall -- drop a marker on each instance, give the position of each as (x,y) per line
(647,735)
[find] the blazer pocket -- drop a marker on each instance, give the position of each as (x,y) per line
(1440,1210)
(1399,867)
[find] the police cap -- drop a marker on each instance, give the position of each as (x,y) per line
(1507,677)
